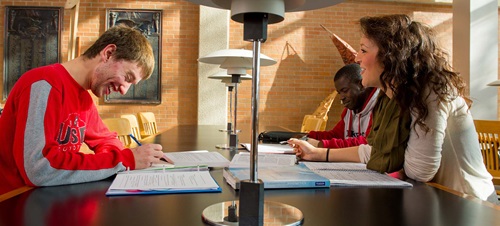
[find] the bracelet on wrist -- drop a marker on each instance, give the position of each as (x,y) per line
(327,154)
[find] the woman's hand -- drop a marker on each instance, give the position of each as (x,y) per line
(314,142)
(307,151)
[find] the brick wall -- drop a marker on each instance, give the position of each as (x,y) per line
(293,87)
(307,58)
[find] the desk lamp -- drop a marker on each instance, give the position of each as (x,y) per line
(237,62)
(232,133)
(494,83)
(255,16)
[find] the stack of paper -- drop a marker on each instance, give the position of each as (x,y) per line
(196,158)
(271,148)
(242,160)
(162,182)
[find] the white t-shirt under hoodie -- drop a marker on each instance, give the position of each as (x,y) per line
(449,154)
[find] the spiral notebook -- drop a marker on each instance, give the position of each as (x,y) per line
(354,174)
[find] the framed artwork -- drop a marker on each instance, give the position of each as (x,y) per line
(149,23)
(32,39)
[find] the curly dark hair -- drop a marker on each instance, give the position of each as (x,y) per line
(413,62)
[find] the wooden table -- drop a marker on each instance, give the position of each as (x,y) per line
(85,204)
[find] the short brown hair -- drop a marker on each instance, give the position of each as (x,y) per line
(131,45)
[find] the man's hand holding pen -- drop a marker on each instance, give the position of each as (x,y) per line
(146,155)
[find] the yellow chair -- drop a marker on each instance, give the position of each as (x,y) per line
(311,123)
(122,127)
(323,109)
(318,119)
(85,149)
(134,124)
(147,124)
(488,133)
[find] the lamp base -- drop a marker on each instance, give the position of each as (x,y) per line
(274,212)
(229,147)
(233,141)
(229,131)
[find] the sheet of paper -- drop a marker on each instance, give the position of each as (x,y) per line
(192,180)
(271,148)
(193,158)
(168,167)
(242,160)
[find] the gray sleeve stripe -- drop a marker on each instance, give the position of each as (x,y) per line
(38,168)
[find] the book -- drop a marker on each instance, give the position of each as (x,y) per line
(290,176)
(242,160)
(196,158)
(271,148)
(162,182)
(354,174)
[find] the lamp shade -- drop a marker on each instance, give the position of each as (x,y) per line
(274,8)
(236,61)
(495,83)
(225,78)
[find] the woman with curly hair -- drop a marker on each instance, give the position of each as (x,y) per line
(402,58)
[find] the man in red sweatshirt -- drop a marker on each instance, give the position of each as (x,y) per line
(356,119)
(49,113)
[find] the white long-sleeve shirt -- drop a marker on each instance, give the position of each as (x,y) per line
(449,154)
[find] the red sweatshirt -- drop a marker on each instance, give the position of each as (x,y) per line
(45,120)
(352,129)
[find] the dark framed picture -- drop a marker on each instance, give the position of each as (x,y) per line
(32,39)
(149,23)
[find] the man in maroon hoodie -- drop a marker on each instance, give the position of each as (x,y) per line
(356,118)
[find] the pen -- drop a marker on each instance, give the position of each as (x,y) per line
(135,139)
(305,137)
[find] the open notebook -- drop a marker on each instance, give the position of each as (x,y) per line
(354,174)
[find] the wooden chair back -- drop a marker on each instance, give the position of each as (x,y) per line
(147,124)
(122,127)
(323,109)
(134,124)
(488,132)
(311,123)
(85,149)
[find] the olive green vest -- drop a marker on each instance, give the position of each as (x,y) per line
(388,136)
